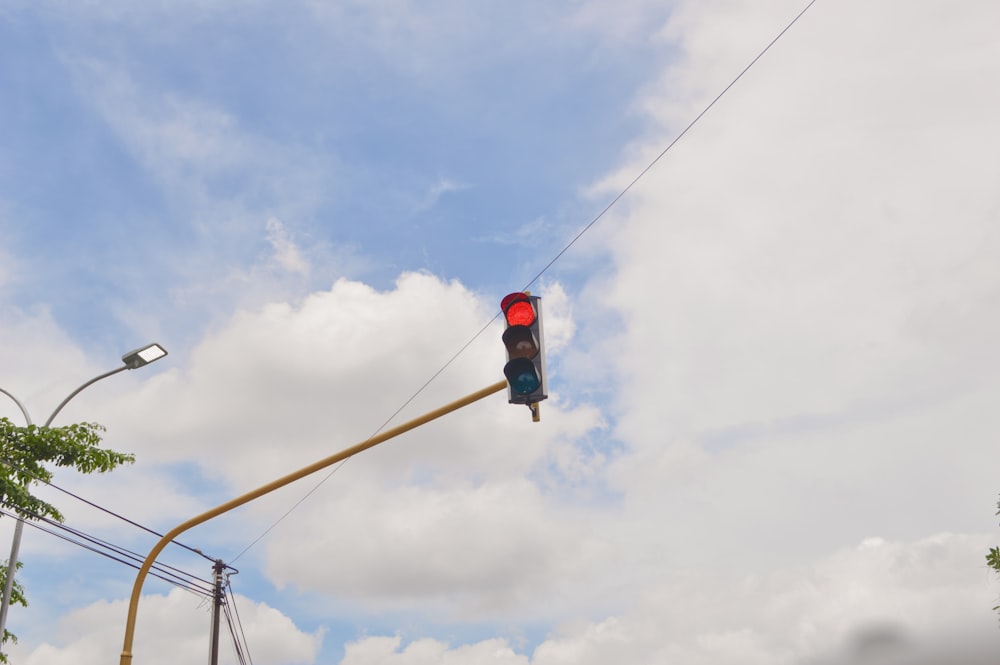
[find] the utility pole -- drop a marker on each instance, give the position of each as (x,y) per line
(213,656)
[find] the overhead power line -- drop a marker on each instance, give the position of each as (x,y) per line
(549,265)
(117,553)
(20,469)
(663,152)
(240,644)
(170,574)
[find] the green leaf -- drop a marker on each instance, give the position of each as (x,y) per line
(993,559)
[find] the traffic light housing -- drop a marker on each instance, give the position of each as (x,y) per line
(525,368)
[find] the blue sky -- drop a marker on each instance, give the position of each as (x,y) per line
(771,431)
(386,162)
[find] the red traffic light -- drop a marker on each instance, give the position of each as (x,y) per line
(525,368)
(517,309)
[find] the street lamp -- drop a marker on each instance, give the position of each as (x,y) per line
(143,356)
(132,360)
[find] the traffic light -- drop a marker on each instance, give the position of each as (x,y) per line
(525,368)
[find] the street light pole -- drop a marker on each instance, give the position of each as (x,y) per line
(132,360)
(140,578)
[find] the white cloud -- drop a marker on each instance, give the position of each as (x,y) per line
(284,386)
(326,372)
(921,598)
(171,629)
(38,356)
(7,261)
(557,318)
(427,652)
(228,249)
(159,496)
(806,289)
(486,551)
(286,253)
(177,139)
(193,148)
(818,251)
(438,189)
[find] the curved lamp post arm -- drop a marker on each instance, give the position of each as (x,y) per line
(77,391)
(24,411)
(133,359)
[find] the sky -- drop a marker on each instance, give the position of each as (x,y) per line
(771,431)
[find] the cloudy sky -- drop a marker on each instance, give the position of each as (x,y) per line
(772,432)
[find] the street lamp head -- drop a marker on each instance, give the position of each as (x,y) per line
(143,356)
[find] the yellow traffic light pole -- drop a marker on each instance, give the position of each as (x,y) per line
(126,657)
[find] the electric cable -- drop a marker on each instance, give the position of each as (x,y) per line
(559,255)
(20,469)
(238,648)
(294,506)
(239,621)
(663,152)
(130,558)
(117,549)
(158,571)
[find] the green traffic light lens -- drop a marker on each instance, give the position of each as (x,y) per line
(522,376)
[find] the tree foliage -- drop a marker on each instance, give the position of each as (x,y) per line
(26,455)
(27,450)
(16,598)
(993,557)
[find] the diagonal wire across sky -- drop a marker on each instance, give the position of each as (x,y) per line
(597,218)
